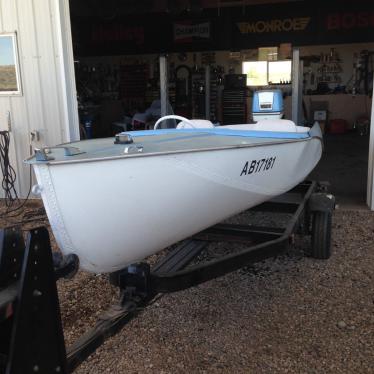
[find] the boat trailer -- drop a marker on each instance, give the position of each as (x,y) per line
(31,331)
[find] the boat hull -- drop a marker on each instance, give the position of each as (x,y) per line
(114,212)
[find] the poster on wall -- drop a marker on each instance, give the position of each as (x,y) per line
(191,31)
(10,82)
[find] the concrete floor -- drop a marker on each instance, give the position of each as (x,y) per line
(344,164)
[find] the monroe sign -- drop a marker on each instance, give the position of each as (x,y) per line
(274,25)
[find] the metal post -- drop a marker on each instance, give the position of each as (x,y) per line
(300,93)
(370,183)
(296,85)
(207,92)
(65,62)
(164,92)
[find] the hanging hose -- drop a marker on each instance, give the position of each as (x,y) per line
(9,174)
(8,184)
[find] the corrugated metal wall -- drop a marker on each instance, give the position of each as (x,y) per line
(370,185)
(45,55)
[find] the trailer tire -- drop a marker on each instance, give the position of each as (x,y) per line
(321,235)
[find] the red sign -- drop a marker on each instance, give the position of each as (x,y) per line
(347,21)
(117,33)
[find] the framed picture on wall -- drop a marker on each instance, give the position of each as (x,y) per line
(10,80)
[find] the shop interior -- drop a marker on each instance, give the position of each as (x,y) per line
(119,87)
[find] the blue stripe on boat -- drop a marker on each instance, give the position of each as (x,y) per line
(224,132)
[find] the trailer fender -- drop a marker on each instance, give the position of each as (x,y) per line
(321,202)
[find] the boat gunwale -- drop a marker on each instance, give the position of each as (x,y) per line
(30,161)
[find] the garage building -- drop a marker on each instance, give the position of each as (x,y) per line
(92,69)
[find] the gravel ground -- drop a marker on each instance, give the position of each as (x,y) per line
(292,314)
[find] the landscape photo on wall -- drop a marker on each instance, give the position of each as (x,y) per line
(8,74)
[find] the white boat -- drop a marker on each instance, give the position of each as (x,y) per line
(115,204)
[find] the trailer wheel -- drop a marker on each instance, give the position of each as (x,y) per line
(321,235)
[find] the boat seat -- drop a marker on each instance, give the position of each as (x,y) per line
(197,124)
(276,125)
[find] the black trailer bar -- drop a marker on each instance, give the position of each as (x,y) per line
(240,233)
(273,241)
(108,324)
(30,323)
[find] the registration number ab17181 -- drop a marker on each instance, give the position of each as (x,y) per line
(255,166)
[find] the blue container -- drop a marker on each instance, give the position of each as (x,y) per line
(87,121)
(267,101)
(88,128)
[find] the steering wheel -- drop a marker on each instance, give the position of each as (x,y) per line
(172,116)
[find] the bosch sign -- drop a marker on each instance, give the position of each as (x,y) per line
(347,21)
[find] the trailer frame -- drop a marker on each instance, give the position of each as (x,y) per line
(30,322)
